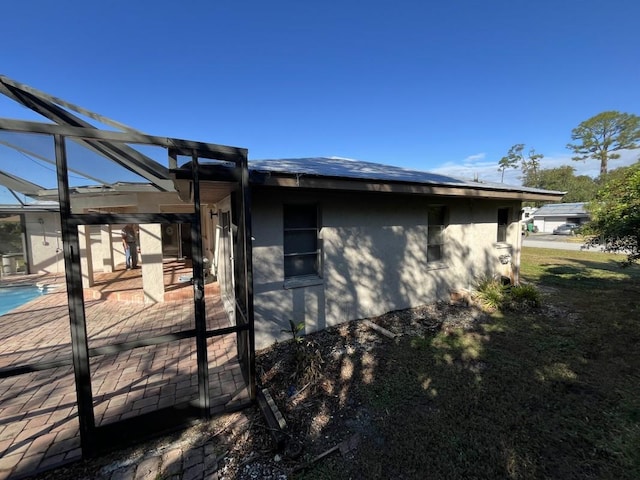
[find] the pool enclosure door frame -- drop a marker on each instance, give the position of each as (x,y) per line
(96,438)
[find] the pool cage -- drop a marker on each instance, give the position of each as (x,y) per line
(156,200)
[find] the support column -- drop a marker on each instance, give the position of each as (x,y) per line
(151,257)
(107,248)
(86,259)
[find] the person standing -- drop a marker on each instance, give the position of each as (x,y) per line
(130,245)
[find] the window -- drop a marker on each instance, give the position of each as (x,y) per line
(435,234)
(301,253)
(503,222)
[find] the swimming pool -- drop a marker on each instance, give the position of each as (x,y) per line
(13,297)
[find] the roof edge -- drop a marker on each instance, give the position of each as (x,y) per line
(276,179)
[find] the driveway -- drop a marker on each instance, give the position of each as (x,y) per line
(548,240)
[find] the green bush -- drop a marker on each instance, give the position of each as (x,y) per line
(524,296)
(491,294)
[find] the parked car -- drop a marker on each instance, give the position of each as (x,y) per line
(566,229)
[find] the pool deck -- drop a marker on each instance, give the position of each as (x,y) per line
(38,416)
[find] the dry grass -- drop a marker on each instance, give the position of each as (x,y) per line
(554,394)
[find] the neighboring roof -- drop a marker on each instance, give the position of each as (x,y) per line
(305,170)
(562,210)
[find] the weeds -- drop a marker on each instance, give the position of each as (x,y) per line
(493,295)
(306,356)
(294,330)
(524,296)
(490,292)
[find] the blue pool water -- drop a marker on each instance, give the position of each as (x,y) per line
(13,297)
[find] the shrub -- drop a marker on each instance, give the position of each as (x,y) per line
(524,297)
(492,295)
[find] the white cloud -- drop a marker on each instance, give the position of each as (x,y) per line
(477,156)
(473,166)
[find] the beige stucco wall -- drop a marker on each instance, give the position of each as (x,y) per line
(44,242)
(373,256)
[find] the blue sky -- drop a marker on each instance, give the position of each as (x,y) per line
(443,86)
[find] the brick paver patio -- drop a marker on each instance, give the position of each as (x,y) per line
(38,415)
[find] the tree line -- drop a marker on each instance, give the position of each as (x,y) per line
(599,138)
(613,197)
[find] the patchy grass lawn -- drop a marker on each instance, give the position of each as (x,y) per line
(551,394)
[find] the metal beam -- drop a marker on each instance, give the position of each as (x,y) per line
(16,197)
(77,319)
(59,101)
(198,296)
(50,161)
(245,191)
(204,150)
(18,184)
(115,348)
(121,154)
(122,218)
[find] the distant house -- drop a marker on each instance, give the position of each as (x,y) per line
(550,216)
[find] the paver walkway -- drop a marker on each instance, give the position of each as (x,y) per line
(38,415)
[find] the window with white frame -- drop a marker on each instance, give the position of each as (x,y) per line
(503,223)
(301,252)
(437,222)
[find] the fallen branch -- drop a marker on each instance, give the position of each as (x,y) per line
(345,447)
(319,457)
(379,329)
(299,391)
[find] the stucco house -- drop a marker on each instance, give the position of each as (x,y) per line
(332,239)
(314,240)
(336,239)
(550,216)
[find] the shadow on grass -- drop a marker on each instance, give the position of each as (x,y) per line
(586,271)
(552,394)
(510,398)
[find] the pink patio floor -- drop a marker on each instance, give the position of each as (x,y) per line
(38,414)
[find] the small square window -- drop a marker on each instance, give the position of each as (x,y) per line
(301,253)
